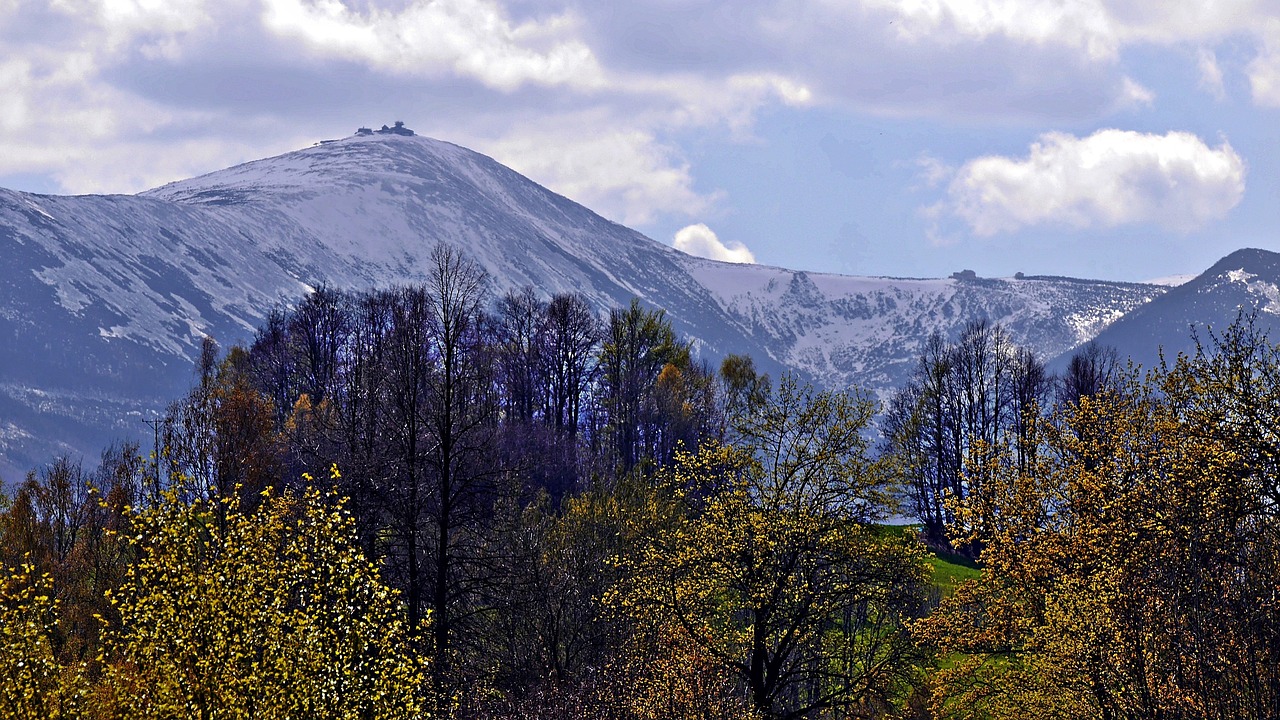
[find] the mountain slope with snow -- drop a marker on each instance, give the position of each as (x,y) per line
(104,299)
(1246,281)
(845,330)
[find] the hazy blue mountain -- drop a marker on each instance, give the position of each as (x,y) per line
(1245,281)
(104,299)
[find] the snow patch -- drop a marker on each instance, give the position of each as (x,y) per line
(1267,291)
(1240,276)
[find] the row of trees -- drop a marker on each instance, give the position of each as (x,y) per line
(535,483)
(1130,570)
(968,397)
(543,513)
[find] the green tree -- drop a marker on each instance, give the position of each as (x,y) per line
(772,570)
(638,344)
(271,613)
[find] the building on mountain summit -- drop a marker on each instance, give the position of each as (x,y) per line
(398,129)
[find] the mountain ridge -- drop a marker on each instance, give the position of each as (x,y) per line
(106,297)
(1246,280)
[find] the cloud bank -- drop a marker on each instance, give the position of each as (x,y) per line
(596,100)
(471,38)
(1109,178)
(701,241)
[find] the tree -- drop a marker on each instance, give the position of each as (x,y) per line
(772,569)
(966,399)
(1129,571)
(32,682)
(460,419)
(573,340)
(1092,369)
(921,434)
(742,388)
(638,344)
(63,523)
(318,329)
(272,613)
(221,436)
(521,353)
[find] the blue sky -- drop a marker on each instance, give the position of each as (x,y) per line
(1120,139)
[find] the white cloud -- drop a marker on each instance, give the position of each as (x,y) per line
(933,171)
(1097,28)
(154,28)
(473,38)
(1264,70)
(52,102)
(1210,73)
(1133,95)
(1084,24)
(623,174)
(1110,178)
(91,138)
(701,241)
(1056,43)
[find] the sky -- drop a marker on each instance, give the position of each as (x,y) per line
(1113,139)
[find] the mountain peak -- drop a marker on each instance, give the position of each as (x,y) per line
(1252,260)
(1247,280)
(109,297)
(360,159)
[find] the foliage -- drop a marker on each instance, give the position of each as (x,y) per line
(638,346)
(1131,572)
(266,613)
(662,673)
(32,682)
(769,569)
(62,521)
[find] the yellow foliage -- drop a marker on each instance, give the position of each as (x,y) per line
(666,675)
(32,684)
(760,560)
(265,613)
(1126,573)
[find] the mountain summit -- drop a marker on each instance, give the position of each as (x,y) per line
(105,299)
(1245,281)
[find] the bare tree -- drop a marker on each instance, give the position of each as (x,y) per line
(968,404)
(1091,369)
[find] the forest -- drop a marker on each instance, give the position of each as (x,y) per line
(428,501)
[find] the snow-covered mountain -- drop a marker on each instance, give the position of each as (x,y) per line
(1245,281)
(104,299)
(863,331)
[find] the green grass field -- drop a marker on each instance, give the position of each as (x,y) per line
(951,570)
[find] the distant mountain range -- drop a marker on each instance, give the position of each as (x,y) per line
(104,299)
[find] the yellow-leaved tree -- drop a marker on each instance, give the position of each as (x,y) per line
(771,581)
(33,685)
(269,612)
(1131,571)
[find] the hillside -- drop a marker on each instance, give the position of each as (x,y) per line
(105,298)
(1247,281)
